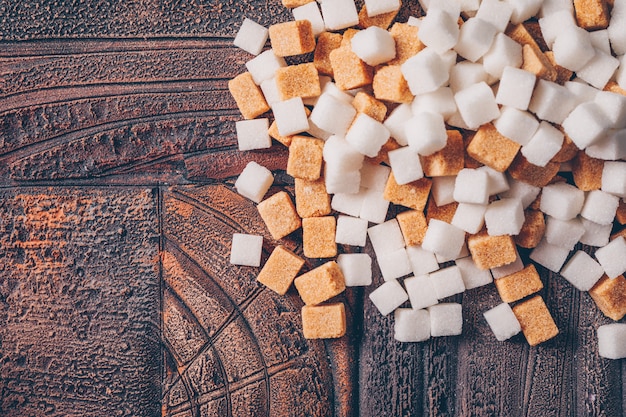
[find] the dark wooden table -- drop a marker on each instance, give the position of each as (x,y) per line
(117,162)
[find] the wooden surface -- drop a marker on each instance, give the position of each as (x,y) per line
(117,158)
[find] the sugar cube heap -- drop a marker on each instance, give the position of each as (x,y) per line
(495,126)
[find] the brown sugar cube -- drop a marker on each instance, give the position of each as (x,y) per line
(449,160)
(522,170)
(491,148)
(536,321)
(248,96)
(348,69)
(491,251)
(587,172)
(614,87)
(413,226)
(312,200)
(592,14)
(280,270)
(407,42)
(326,42)
(620,214)
(562,74)
(382,20)
(318,237)
(279,215)
(536,62)
(327,321)
(568,150)
(444,213)
(610,296)
(321,283)
(533,27)
(413,195)
(468,161)
(520,34)
(298,81)
(532,231)
(290,4)
(292,38)
(305,158)
(518,285)
(364,103)
(389,85)
(273,132)
(383,154)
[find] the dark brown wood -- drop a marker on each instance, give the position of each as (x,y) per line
(118,156)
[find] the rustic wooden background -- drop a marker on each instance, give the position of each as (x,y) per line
(117,158)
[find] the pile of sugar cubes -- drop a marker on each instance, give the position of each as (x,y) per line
(487,125)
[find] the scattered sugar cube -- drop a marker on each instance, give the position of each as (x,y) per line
(582,271)
(520,284)
(348,203)
(279,215)
(551,102)
(600,40)
(516,88)
(572,47)
(374,176)
(475,38)
(339,14)
(612,341)
(496,12)
(599,70)
(405,165)
(595,234)
(422,261)
(292,38)
(513,267)
(561,200)
(466,73)
(473,276)
(497,181)
(290,116)
(321,283)
(553,23)
(421,291)
(614,107)
(504,52)
(440,101)
(374,45)
(413,195)
(517,125)
(563,233)
(586,124)
(394,264)
(396,121)
(446,319)
(523,10)
(490,252)
(367,135)
(248,96)
(388,297)
(356,268)
(411,325)
(252,134)
(600,207)
(614,178)
(305,158)
(477,104)
(351,231)
(386,237)
(439,30)
(447,161)
(550,256)
(447,282)
(533,229)
(270,91)
(443,190)
(324,322)
(502,322)
(251,37)
(612,257)
(375,206)
(504,217)
(608,294)
(312,200)
(581,90)
(545,143)
(469,217)
(340,180)
(612,146)
(310,12)
(524,191)
(536,321)
(246,249)
(318,237)
(462,254)
(443,239)
(426,133)
(378,7)
(339,154)
(298,81)
(263,66)
(332,114)
(280,270)
(425,72)
(254,181)
(471,186)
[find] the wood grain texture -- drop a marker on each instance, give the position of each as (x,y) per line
(118,156)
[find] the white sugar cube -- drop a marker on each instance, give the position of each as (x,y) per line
(497,182)
(348,203)
(554,6)
(374,45)
(254,181)
(316,131)
(442,190)
(517,125)
(263,66)
(446,319)
(524,191)
(426,133)
(386,237)
(406,165)
(447,282)
(310,12)
(581,90)
(572,48)
(462,254)
(505,270)
(563,233)
(332,89)
(339,14)
(394,264)
(388,297)
(290,116)
(550,256)
(610,147)
(516,88)
(502,321)
(600,40)
(367,135)
(553,23)
(475,38)
(586,124)
(421,291)
(595,234)
(252,134)
(246,249)
(471,186)
(425,72)
(411,325)
(473,277)
(377,7)
(612,257)
(439,30)
(339,154)
(504,52)
(561,200)
(351,231)
(443,239)
(582,271)
(251,37)
(614,178)
(270,91)
(452,7)
(617,28)
(614,107)
(612,341)
(374,176)
(356,268)
(332,114)
(339,180)
(620,74)
(395,123)
(599,70)
(465,73)
(523,10)
(375,206)
(469,217)
(496,12)
(600,207)
(477,105)
(543,145)
(440,101)
(422,261)
(504,217)
(551,102)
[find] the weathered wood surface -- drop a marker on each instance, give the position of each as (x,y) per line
(117,157)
